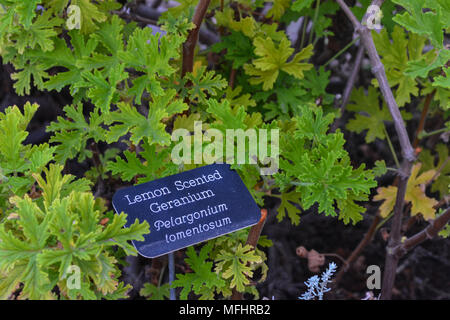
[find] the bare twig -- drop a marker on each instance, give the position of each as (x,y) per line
(390,265)
(428,233)
(445,200)
(337,256)
(380,74)
(410,222)
(351,80)
(405,144)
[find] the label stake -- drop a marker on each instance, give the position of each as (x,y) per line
(171,276)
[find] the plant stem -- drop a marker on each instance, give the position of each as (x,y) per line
(391,261)
(161,274)
(384,221)
(191,41)
(391,147)
(255,231)
(423,117)
(428,233)
(425,134)
(349,85)
(342,51)
(405,144)
(305,26)
(302,184)
(232,79)
(316,14)
(380,74)
(336,256)
(438,171)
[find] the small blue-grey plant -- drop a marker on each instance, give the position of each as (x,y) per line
(317,286)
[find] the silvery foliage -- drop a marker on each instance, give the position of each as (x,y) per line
(317,286)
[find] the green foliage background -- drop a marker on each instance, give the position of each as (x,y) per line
(49,220)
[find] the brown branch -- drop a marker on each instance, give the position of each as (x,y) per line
(378,70)
(191,41)
(405,144)
(413,219)
(391,262)
(255,231)
(428,233)
(423,117)
(445,200)
(337,256)
(232,78)
(410,222)
(369,234)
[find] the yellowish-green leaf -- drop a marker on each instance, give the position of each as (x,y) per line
(272,58)
(415,194)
